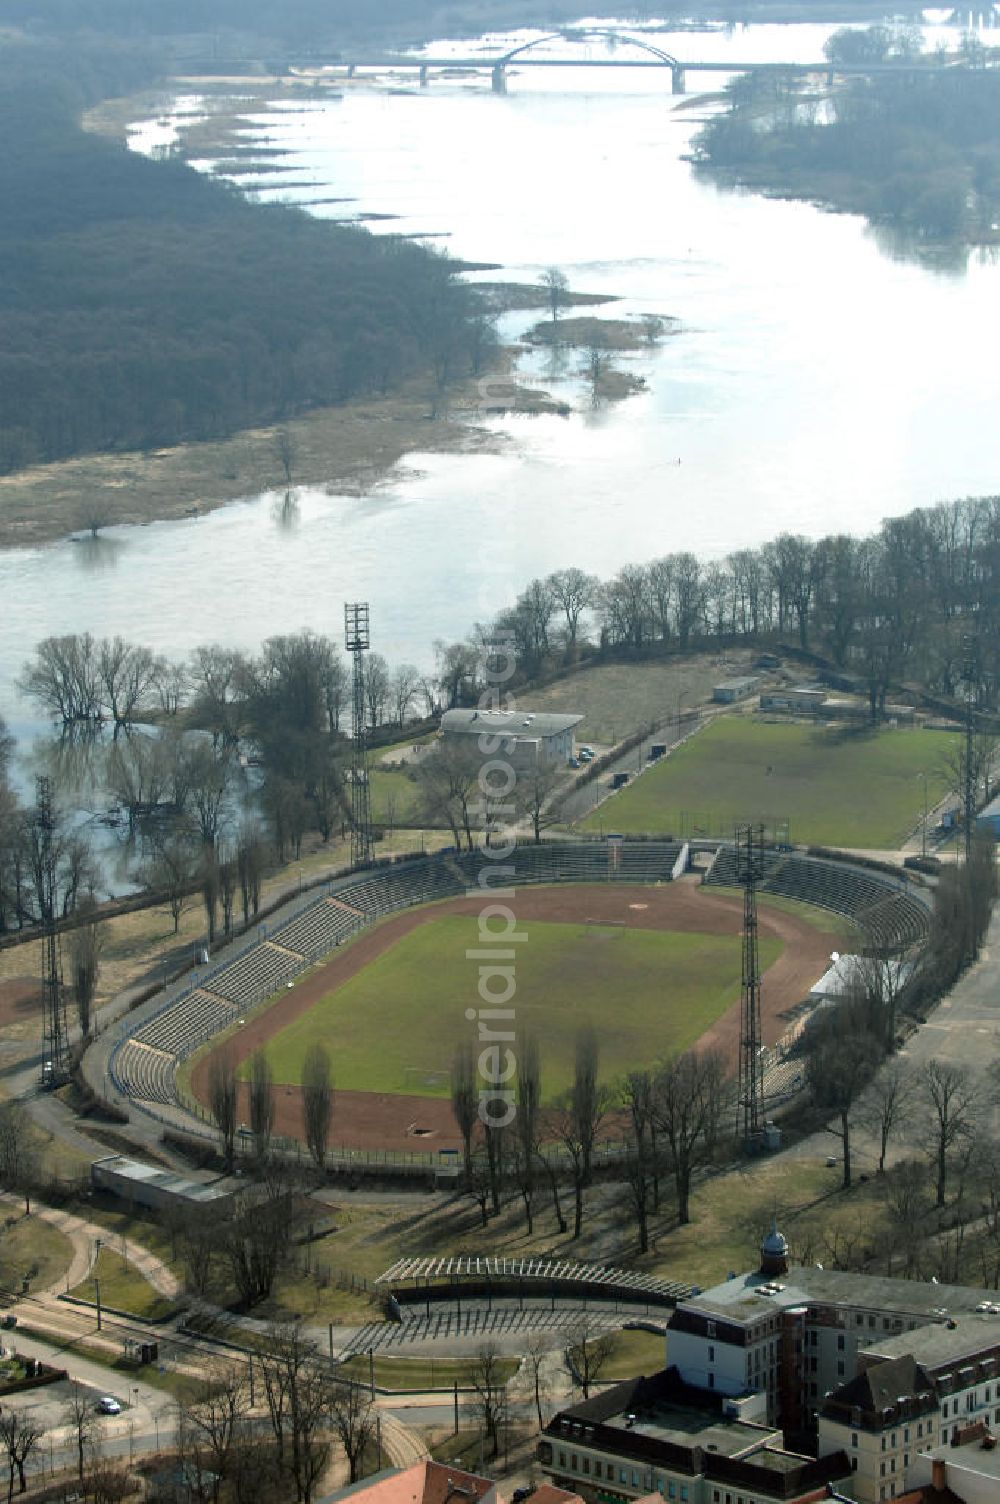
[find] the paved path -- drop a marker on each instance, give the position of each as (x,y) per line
(85,1237)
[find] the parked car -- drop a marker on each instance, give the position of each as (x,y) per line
(108,1405)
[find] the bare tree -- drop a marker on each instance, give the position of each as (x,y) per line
(687,1103)
(81,1423)
(587,1353)
(529,1092)
(353,1417)
(535,788)
(839,1063)
(285,452)
(298,1402)
(212,1427)
(172,870)
(556,284)
(887,1103)
(317,1101)
(952,1099)
(490,1388)
(222,1101)
(258,1233)
(535,1352)
(465,1099)
(19,1435)
(85,945)
(573,592)
(261,1102)
(639,1093)
(637,1178)
(18,1159)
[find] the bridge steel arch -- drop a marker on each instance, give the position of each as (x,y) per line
(583,34)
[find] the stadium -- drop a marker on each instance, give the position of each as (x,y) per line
(641,935)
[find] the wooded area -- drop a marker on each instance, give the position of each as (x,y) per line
(916,149)
(144,304)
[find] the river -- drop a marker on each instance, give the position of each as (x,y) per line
(818,382)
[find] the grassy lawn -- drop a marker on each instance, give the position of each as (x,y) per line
(646,992)
(123,1288)
(634,1353)
(831,787)
(422,1373)
(616,699)
(29,1246)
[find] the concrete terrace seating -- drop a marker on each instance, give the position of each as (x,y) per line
(183,1026)
(400,887)
(254,975)
(881,904)
(142,1071)
(317,930)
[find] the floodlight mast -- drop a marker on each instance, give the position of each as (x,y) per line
(357,639)
(55,1037)
(751,1083)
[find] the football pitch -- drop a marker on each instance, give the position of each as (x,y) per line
(395,1026)
(827,786)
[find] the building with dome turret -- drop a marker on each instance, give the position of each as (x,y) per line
(780,1340)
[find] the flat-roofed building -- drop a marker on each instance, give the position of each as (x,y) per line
(153,1186)
(658,1436)
(525,738)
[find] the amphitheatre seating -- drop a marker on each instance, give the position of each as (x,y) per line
(254,975)
(142,1071)
(399,887)
(187,1023)
(316,930)
(893,915)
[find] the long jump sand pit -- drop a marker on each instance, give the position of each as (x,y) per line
(399,1120)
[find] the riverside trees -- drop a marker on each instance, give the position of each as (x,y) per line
(150,305)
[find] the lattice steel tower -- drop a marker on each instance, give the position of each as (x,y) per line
(55,1040)
(970,673)
(751,1083)
(358,640)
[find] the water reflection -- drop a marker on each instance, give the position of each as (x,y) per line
(285,511)
(97,552)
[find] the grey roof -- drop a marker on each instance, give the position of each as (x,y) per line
(990,811)
(164,1180)
(739,1299)
(526,724)
(941,1344)
(881,1390)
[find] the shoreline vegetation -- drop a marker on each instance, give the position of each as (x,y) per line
(914,151)
(345,450)
(450,375)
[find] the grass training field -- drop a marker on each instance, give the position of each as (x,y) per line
(833,786)
(393,1027)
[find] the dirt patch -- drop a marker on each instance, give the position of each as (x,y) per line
(373,1120)
(20,1000)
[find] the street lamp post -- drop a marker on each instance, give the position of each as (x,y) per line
(923,828)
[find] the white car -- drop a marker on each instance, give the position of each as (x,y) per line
(108,1405)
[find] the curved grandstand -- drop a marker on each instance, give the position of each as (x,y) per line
(143,1051)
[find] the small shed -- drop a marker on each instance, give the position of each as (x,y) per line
(988,819)
(151,1185)
(732,690)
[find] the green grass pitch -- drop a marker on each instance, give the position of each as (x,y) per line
(395,1026)
(833,787)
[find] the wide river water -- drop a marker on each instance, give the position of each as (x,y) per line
(819,382)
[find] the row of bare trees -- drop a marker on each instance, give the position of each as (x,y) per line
(316,1086)
(309,1411)
(895,605)
(665,1121)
